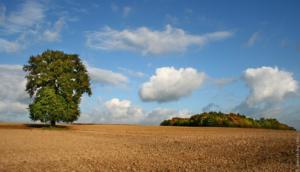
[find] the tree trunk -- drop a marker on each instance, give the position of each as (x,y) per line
(52,123)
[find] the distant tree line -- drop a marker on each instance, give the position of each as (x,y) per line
(219,119)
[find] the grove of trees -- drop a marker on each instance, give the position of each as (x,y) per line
(219,119)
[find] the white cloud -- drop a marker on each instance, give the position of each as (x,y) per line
(114,111)
(147,41)
(52,35)
(12,108)
(104,76)
(119,111)
(253,38)
(13,98)
(269,97)
(169,84)
(9,46)
(122,111)
(269,84)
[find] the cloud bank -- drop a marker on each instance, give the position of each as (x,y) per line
(147,41)
(170,84)
(119,111)
(122,111)
(13,98)
(114,111)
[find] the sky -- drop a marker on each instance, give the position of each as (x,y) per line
(153,60)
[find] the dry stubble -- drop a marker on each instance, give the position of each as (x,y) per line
(145,148)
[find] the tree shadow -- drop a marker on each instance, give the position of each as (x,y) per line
(47,126)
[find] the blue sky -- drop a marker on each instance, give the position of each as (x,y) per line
(151,60)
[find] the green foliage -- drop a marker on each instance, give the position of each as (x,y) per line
(219,119)
(56,81)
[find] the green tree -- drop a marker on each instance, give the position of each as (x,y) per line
(56,82)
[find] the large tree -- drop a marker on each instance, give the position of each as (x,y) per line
(56,82)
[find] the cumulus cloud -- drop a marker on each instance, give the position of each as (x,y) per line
(106,77)
(147,41)
(169,84)
(269,84)
(119,111)
(122,111)
(115,111)
(253,38)
(270,88)
(13,98)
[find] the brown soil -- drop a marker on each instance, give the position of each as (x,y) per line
(145,148)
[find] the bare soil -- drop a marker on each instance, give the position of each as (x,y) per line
(145,148)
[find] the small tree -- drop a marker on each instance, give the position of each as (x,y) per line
(56,82)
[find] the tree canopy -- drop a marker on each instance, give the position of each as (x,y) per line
(56,81)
